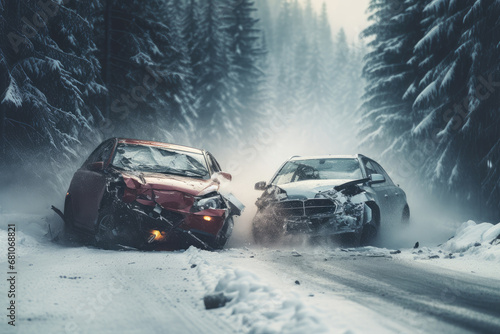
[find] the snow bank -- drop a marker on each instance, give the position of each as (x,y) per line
(31,230)
(474,248)
(478,240)
(25,244)
(264,309)
(254,303)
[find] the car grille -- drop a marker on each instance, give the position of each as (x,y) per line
(319,206)
(311,207)
(290,208)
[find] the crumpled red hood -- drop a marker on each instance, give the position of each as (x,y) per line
(157,181)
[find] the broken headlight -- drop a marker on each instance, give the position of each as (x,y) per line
(213,202)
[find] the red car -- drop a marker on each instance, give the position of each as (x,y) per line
(150,195)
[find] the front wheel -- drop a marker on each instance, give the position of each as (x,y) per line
(367,235)
(225,233)
(266,232)
(107,229)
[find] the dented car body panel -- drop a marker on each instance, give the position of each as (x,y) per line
(327,196)
(149,194)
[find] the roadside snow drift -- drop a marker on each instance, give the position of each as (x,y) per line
(256,305)
(477,240)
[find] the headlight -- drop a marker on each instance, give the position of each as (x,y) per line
(214,202)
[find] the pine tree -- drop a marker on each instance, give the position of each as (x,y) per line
(245,54)
(386,113)
(182,99)
(266,24)
(482,134)
(52,44)
(338,69)
(324,30)
(144,68)
(459,55)
(284,31)
(440,109)
(317,105)
(218,115)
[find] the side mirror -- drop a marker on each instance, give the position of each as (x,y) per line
(226,176)
(377,178)
(96,166)
(261,186)
(216,177)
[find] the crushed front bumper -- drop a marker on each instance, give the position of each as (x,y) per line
(319,218)
(321,226)
(178,228)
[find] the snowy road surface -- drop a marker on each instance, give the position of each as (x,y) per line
(85,290)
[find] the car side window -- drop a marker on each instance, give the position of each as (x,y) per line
(219,169)
(101,153)
(370,169)
(214,165)
(93,156)
(380,170)
(106,152)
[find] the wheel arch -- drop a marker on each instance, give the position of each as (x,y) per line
(375,211)
(406,214)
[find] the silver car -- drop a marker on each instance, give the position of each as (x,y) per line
(325,196)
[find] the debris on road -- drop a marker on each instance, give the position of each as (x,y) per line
(215,300)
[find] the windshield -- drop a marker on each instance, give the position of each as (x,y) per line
(160,160)
(318,169)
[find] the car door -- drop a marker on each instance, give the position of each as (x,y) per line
(397,200)
(381,190)
(88,186)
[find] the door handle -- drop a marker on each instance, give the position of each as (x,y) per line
(397,194)
(386,196)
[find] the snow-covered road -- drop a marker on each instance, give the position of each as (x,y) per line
(77,289)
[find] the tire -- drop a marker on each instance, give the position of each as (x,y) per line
(370,229)
(405,216)
(116,228)
(266,233)
(368,234)
(106,234)
(224,235)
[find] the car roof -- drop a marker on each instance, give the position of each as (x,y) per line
(332,156)
(160,144)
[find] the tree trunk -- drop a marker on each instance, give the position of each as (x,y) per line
(107,55)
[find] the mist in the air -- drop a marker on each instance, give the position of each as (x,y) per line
(432,223)
(308,104)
